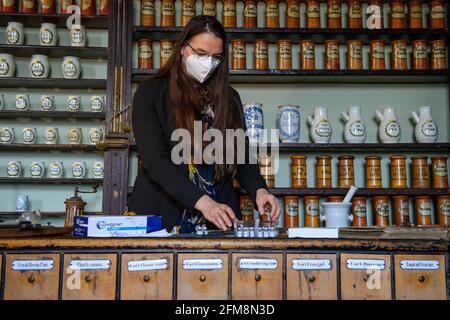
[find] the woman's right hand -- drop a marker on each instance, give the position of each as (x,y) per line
(220,214)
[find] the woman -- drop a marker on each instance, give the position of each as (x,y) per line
(192,86)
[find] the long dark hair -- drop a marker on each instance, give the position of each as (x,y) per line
(185,99)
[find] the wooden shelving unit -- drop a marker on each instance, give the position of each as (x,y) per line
(48,147)
(360,192)
(37,114)
(27,82)
(60,20)
(56,51)
(73,181)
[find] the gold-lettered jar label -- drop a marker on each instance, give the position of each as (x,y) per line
(312,209)
(308,52)
(356,51)
(250,11)
(229,10)
(145,52)
(440,170)
(167,9)
(293,11)
(324,172)
(355,11)
(246,208)
(188,9)
(28,4)
(313,11)
(46,4)
(299,171)
(8,3)
(239,52)
(334,11)
(285,52)
(401,52)
(333,52)
(416,12)
(439,52)
(272,11)
(403,209)
(382,209)
(209,9)
(378,52)
(399,173)
(261,52)
(424,208)
(398,12)
(360,210)
(374,173)
(444,209)
(166,50)
(420,52)
(437,12)
(86,4)
(148,8)
(292,209)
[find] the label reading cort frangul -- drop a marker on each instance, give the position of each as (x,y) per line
(364,264)
(258,264)
(311,264)
(419,265)
(202,264)
(27,265)
(90,264)
(144,265)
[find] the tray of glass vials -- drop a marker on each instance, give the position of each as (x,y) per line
(256,229)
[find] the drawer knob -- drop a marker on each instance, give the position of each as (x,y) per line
(202,278)
(421,279)
(146,278)
(87,279)
(311,279)
(31,279)
(258,277)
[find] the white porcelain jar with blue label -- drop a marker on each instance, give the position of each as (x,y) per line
(6,135)
(71,67)
(39,66)
(14,33)
(289,123)
(73,103)
(47,103)
(29,135)
(14,169)
(254,121)
(98,169)
(7,65)
(55,169)
(320,130)
(37,169)
(22,102)
(51,135)
(79,169)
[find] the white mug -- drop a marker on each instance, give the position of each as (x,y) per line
(95,135)
(22,102)
(55,169)
(37,169)
(77,36)
(29,135)
(98,169)
(39,67)
(7,65)
(6,135)
(71,67)
(73,103)
(51,135)
(48,35)
(14,33)
(97,103)
(79,169)
(14,169)
(47,103)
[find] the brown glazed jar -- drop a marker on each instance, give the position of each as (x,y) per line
(313,14)
(261,54)
(307,55)
(346,171)
(377,56)
(292,13)
(291,211)
(187,11)
(312,217)
(209,8)
(443,210)
(354,55)
(332,55)
(9,6)
(87,7)
(229,13)
(284,61)
(145,56)
(422,210)
(420,172)
(438,55)
(415,14)
(380,6)
(335,198)
(334,14)
(437,14)
(298,171)
(29,6)
(238,54)
(65,4)
(359,212)
(165,51)
(398,15)
(266,167)
(401,210)
(272,14)
(103,8)
(373,172)
(246,206)
(250,14)
(420,55)
(148,13)
(439,172)
(354,14)
(380,206)
(167,13)
(398,172)
(323,172)
(399,55)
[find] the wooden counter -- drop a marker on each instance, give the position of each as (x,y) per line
(223,268)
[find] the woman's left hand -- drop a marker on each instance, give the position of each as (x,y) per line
(263,198)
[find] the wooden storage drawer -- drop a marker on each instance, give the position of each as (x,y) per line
(311,277)
(147,276)
(365,276)
(420,277)
(257,276)
(89,276)
(31,276)
(202,276)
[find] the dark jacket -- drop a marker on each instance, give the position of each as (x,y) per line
(161,187)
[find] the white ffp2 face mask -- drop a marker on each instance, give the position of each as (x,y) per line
(200,67)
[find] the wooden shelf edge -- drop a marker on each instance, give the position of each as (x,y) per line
(51,114)
(73,181)
(47,147)
(28,82)
(361,192)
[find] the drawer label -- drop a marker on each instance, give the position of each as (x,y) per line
(419,265)
(364,264)
(144,265)
(258,263)
(27,265)
(311,264)
(202,264)
(90,264)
